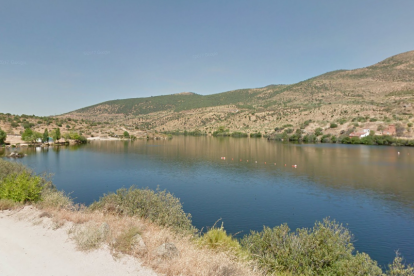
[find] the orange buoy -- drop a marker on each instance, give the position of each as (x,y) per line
(265,163)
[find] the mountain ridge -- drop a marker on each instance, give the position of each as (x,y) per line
(381,90)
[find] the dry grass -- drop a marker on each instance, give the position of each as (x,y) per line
(193,260)
(8,204)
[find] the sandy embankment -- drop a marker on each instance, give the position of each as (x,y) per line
(30,245)
(103,139)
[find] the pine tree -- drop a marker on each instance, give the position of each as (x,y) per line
(45,136)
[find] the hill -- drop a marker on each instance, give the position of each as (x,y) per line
(365,97)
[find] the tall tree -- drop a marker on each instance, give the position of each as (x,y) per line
(31,136)
(3,136)
(56,135)
(45,136)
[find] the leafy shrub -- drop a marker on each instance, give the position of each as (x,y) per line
(217,239)
(318,131)
(289,130)
(239,134)
(27,125)
(256,135)
(397,268)
(410,124)
(342,121)
(3,136)
(158,206)
(8,168)
(287,125)
(309,138)
(326,138)
(21,187)
(326,249)
(305,124)
(333,125)
(221,131)
(52,198)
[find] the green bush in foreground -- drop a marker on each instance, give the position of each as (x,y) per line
(326,249)
(158,206)
(217,239)
(21,187)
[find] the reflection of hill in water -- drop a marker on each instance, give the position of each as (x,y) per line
(377,169)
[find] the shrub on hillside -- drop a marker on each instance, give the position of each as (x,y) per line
(239,134)
(309,138)
(7,168)
(318,131)
(216,238)
(3,136)
(256,135)
(158,206)
(326,249)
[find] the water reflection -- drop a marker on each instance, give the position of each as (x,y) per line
(369,188)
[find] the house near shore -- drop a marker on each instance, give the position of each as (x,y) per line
(390,130)
(360,134)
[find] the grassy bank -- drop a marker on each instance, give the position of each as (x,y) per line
(137,221)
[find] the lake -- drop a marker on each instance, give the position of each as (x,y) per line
(370,189)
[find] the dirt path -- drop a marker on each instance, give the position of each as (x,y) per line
(29,245)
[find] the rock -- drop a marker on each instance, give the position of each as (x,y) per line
(16,155)
(166,251)
(138,244)
(104,230)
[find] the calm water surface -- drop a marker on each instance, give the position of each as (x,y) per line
(369,189)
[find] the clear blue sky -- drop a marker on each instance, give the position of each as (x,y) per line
(58,56)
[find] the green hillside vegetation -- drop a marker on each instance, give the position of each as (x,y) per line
(381,94)
(336,102)
(177,102)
